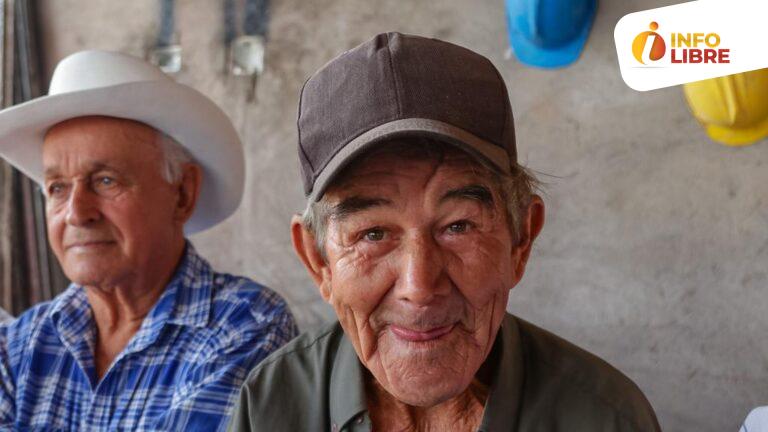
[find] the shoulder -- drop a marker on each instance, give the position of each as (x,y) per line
(575,382)
(244,312)
(296,375)
(223,299)
(29,320)
(306,360)
(34,327)
(576,366)
(28,324)
(238,295)
(301,368)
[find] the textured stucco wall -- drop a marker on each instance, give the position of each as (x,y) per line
(655,249)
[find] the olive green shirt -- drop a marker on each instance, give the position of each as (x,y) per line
(540,383)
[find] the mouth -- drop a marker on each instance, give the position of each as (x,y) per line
(412,335)
(90,244)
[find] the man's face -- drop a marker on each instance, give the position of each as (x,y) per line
(420,262)
(110,213)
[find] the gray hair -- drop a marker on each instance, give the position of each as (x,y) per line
(516,188)
(175,156)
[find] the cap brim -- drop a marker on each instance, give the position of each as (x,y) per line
(177,110)
(532,54)
(486,152)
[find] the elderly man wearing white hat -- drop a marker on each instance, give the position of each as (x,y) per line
(148,336)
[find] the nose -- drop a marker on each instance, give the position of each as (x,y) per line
(422,279)
(81,206)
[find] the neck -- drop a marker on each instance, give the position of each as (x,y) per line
(463,412)
(120,308)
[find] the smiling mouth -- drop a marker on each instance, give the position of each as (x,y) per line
(411,335)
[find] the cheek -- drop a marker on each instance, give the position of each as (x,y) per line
(358,285)
(359,279)
(55,226)
(482,271)
(136,221)
(481,268)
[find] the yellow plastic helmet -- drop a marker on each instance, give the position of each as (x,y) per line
(733,108)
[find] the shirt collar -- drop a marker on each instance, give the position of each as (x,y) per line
(503,405)
(347,389)
(186,301)
(187,297)
(73,319)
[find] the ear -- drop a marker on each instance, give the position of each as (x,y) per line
(188,191)
(530,228)
(306,248)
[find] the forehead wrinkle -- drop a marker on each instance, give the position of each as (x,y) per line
(87,166)
(105,130)
(465,181)
(368,182)
(140,133)
(138,144)
(356,204)
(362,184)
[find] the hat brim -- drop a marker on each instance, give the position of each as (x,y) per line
(484,151)
(738,137)
(536,55)
(177,110)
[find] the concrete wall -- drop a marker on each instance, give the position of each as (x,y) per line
(655,249)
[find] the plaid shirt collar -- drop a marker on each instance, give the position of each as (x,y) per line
(186,301)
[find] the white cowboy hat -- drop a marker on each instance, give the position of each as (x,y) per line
(118,85)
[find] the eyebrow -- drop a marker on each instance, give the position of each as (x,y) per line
(474,192)
(356,204)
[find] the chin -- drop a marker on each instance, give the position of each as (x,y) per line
(86,274)
(427,373)
(84,279)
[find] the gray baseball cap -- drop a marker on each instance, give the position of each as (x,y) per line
(394,86)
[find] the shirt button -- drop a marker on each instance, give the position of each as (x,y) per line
(335,427)
(359,420)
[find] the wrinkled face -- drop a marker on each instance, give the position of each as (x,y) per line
(420,264)
(110,213)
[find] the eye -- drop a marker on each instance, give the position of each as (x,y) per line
(374,235)
(105,181)
(56,189)
(105,186)
(459,227)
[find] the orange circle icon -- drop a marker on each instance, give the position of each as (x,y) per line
(658,46)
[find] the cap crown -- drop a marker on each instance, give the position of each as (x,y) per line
(393,77)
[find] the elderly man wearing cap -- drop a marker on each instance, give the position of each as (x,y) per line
(419,223)
(148,336)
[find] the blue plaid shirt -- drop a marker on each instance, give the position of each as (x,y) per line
(181,371)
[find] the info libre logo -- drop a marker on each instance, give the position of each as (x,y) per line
(692,48)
